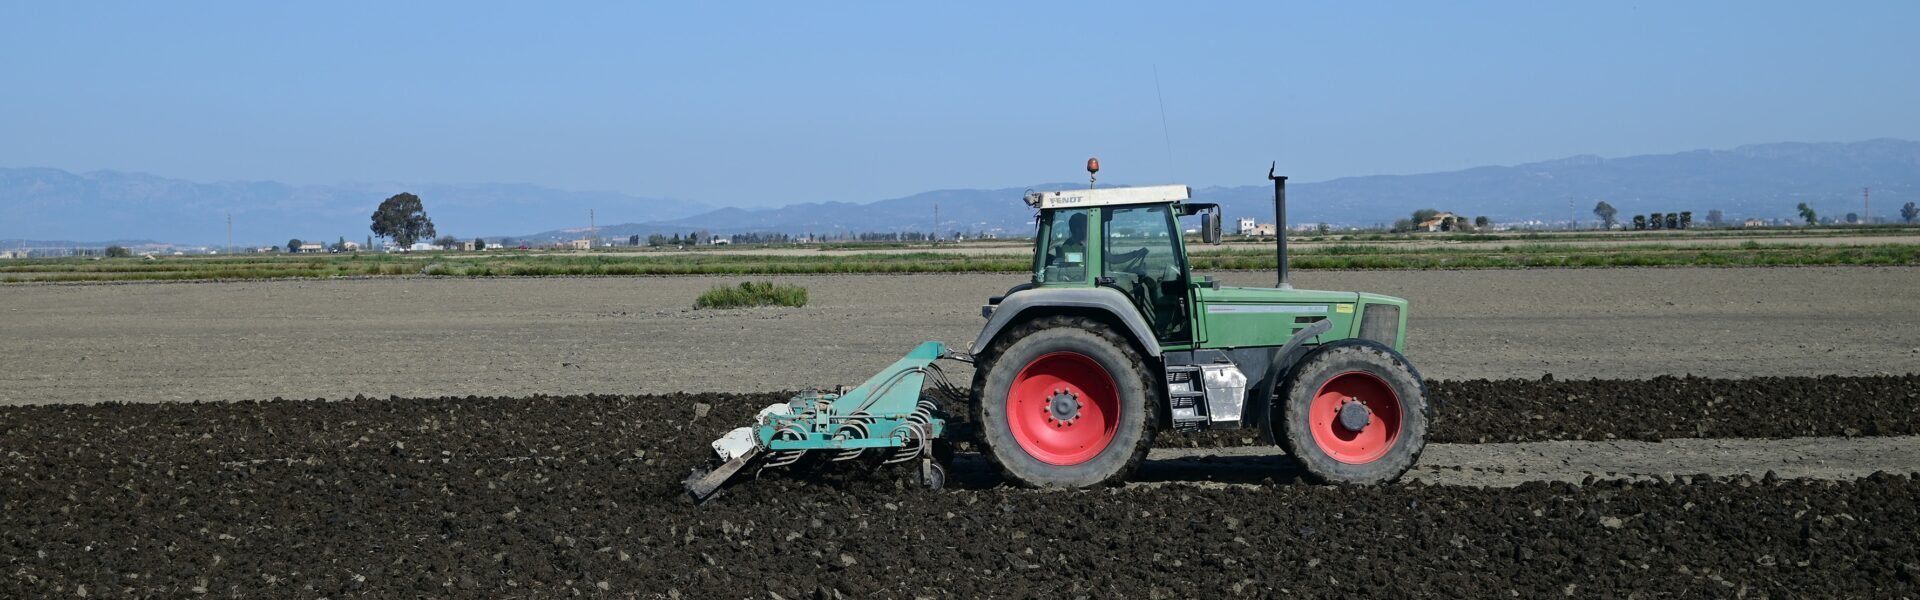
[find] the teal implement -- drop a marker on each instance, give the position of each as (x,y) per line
(891,418)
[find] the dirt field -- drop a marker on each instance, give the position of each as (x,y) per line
(544,497)
(429,337)
(1768,485)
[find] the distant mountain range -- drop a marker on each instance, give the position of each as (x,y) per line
(51,204)
(1765,180)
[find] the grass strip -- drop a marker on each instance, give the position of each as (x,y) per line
(751,293)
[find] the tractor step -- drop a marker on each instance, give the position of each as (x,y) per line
(1186,398)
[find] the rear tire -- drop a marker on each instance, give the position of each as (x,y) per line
(1064,402)
(1353,412)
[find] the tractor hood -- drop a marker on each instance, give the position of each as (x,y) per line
(1243,316)
(1261,295)
(1266,295)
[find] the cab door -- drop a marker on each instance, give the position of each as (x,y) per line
(1140,256)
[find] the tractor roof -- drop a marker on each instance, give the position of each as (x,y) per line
(1152,194)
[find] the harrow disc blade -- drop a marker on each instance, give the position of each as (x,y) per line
(703,485)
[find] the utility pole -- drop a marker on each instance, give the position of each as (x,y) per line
(1866,205)
(593,229)
(229,233)
(936,222)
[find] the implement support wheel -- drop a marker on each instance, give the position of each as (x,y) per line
(1352,411)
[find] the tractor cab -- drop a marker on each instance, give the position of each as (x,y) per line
(1126,239)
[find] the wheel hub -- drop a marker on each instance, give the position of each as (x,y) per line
(1063,407)
(1354,415)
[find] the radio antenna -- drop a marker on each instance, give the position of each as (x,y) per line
(1165,132)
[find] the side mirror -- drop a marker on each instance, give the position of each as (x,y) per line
(1210,226)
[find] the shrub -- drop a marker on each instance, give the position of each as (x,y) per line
(752,294)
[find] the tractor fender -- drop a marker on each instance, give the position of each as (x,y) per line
(1283,359)
(1101,299)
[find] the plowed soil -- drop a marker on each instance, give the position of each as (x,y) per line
(1651,410)
(551,496)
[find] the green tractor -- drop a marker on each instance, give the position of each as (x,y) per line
(1113,340)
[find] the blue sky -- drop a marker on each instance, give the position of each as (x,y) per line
(765,104)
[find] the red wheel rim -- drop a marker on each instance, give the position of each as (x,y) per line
(1063,408)
(1383,416)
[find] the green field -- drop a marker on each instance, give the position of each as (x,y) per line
(1354,255)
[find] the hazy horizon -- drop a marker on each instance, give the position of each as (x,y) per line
(764,105)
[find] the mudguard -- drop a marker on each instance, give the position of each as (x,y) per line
(1102,299)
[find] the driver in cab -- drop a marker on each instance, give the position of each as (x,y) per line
(1069,256)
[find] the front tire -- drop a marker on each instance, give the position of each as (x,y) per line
(1064,402)
(1353,412)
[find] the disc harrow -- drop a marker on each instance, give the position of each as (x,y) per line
(903,403)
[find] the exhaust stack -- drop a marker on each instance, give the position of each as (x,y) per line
(1280,222)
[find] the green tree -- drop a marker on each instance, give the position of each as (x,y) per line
(1715,217)
(1482,222)
(1402,225)
(656,240)
(633,240)
(447,242)
(1909,212)
(118,252)
(1423,215)
(1639,222)
(479,244)
(1806,212)
(1853,218)
(293,245)
(403,219)
(1605,212)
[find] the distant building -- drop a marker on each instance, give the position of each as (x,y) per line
(350,246)
(718,241)
(1245,225)
(467,246)
(580,244)
(1445,221)
(267,249)
(12,254)
(423,247)
(310,247)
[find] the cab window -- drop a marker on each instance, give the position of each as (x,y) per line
(1063,256)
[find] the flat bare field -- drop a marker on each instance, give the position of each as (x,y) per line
(153,342)
(1618,487)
